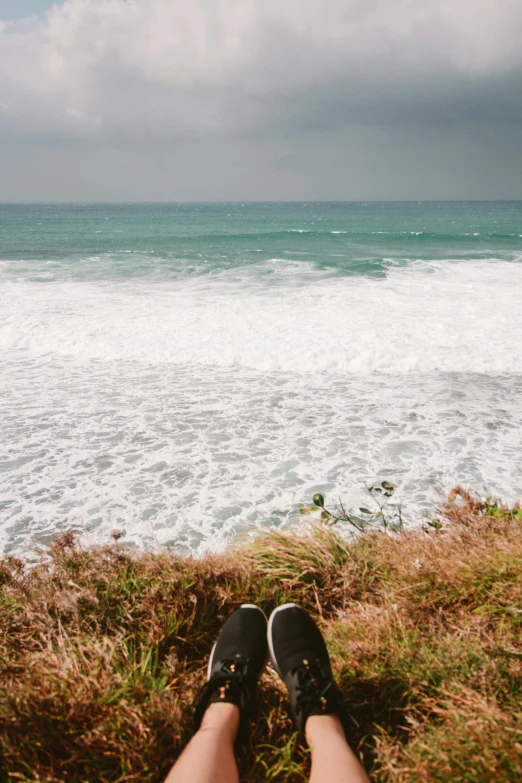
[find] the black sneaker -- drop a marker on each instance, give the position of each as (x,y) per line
(237,661)
(299,655)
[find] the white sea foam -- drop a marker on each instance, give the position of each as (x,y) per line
(187,411)
(427,317)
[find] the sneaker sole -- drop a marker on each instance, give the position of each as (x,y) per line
(211,659)
(269,635)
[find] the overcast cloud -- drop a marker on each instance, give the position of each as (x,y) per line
(268,99)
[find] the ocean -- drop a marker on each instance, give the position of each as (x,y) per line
(188,373)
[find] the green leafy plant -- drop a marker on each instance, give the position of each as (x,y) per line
(383,515)
(434,524)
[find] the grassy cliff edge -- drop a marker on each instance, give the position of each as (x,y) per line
(102,650)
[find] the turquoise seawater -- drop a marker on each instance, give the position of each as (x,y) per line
(103,241)
(188,372)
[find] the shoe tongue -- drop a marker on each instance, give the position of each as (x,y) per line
(302,659)
(324,707)
(227,691)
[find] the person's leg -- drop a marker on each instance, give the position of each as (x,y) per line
(299,655)
(332,757)
(209,756)
(237,660)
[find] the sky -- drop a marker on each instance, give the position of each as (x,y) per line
(173,100)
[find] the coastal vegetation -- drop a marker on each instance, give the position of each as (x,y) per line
(102,650)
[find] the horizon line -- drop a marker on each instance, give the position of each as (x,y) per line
(85,202)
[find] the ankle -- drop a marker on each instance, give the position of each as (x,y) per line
(222,718)
(319,726)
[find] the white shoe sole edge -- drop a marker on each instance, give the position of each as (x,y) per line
(269,634)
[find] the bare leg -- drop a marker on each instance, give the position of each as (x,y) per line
(332,758)
(209,756)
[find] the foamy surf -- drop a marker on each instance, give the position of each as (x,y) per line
(187,373)
(439,316)
(194,457)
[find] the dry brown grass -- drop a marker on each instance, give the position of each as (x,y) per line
(102,651)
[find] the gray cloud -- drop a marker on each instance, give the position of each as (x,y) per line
(275,100)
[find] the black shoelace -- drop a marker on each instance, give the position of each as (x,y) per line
(313,693)
(227,685)
(228,682)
